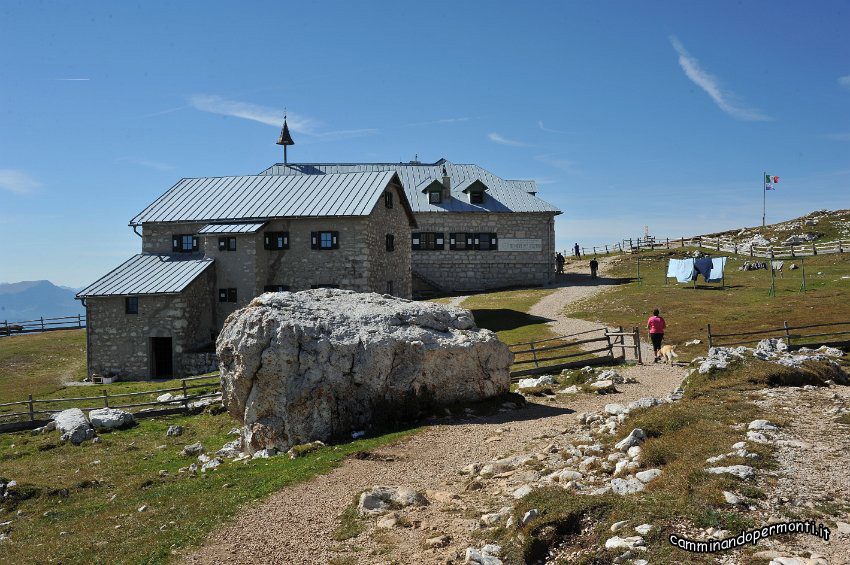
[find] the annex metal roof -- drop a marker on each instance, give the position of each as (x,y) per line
(149,273)
(252,227)
(502,195)
(209,199)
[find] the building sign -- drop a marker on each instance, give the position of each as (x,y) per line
(520,245)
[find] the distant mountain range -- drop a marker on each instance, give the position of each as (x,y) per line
(30,300)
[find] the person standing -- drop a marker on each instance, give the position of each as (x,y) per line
(656,325)
(594,266)
(559,259)
(577,251)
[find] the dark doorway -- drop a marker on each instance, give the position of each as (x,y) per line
(161,357)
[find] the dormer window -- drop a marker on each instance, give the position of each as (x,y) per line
(476,197)
(435,197)
(474,190)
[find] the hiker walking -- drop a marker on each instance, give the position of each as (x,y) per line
(559,259)
(576,251)
(594,266)
(656,325)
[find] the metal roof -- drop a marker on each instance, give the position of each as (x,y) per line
(251,227)
(150,273)
(269,196)
(502,196)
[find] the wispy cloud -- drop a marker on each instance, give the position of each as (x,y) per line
(837,136)
(844,81)
(502,140)
(17,181)
(440,121)
(554,160)
(72,79)
(146,163)
(550,130)
(271,116)
(725,100)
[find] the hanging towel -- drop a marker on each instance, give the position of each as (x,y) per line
(777,265)
(717,265)
(680,269)
(703,267)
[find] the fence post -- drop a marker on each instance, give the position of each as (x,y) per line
(32,412)
(709,336)
(42,323)
(534,355)
(185,395)
(792,250)
(6,323)
(751,250)
(79,321)
(787,334)
(105,398)
(606,250)
(610,345)
(637,346)
(814,249)
(622,341)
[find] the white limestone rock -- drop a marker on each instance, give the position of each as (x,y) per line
(648,476)
(317,364)
(545,380)
(741,471)
(111,419)
(635,437)
(380,499)
(73,426)
(626,486)
(616,409)
(631,542)
(762,425)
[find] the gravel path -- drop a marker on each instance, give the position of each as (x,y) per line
(295,525)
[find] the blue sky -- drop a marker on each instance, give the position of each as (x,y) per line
(630,114)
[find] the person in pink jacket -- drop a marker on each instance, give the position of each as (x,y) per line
(656,325)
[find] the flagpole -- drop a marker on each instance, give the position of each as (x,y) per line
(763,197)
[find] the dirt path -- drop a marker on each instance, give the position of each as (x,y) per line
(296,524)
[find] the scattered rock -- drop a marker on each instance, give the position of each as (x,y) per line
(731,497)
(529,516)
(437,542)
(626,486)
(646,402)
(631,542)
(603,387)
(615,409)
(643,529)
(761,425)
(619,525)
(380,499)
(304,448)
(143,508)
(111,419)
(388,521)
(545,380)
(174,431)
(166,397)
(73,426)
(741,471)
(522,491)
(757,437)
(693,342)
(648,475)
(211,464)
(487,555)
(192,450)
(635,437)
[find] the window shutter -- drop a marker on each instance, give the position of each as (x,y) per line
(175,243)
(267,241)
(494,242)
(231,295)
(314,240)
(334,240)
(194,243)
(477,242)
(222,243)
(470,242)
(438,242)
(285,237)
(222,295)
(452,243)
(415,240)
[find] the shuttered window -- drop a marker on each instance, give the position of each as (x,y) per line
(227,295)
(184,243)
(131,305)
(388,199)
(428,241)
(324,240)
(461,241)
(486,242)
(276,240)
(390,242)
(227,244)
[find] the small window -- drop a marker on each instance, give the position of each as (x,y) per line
(276,240)
(427,241)
(390,242)
(276,288)
(388,199)
(486,242)
(131,305)
(227,244)
(227,295)
(435,197)
(324,286)
(184,243)
(476,197)
(460,241)
(324,240)
(389,287)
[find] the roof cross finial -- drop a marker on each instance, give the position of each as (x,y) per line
(285,139)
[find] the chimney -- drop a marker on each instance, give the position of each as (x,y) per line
(447,185)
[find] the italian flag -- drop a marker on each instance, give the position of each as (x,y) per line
(770,180)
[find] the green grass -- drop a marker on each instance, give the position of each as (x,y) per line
(38,364)
(181,510)
(680,438)
(744,305)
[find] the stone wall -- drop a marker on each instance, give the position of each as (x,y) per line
(473,269)
(156,238)
(389,266)
(200,363)
(119,343)
(235,269)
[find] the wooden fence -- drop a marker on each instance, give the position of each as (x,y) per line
(607,342)
(42,324)
(789,333)
(723,245)
(37,409)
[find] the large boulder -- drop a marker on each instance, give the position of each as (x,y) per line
(111,418)
(73,426)
(317,364)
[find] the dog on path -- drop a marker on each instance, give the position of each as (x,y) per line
(667,352)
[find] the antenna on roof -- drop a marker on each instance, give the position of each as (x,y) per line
(285,139)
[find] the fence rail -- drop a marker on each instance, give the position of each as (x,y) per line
(42,324)
(11,421)
(609,341)
(715,339)
(719,244)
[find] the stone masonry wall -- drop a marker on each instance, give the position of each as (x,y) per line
(386,265)
(119,343)
(472,269)
(235,269)
(156,238)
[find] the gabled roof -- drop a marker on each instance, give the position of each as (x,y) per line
(504,195)
(262,197)
(472,184)
(149,273)
(251,227)
(428,185)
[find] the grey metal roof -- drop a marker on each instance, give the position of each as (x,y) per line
(251,227)
(502,196)
(268,196)
(150,273)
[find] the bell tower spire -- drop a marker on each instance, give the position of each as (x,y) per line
(285,139)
